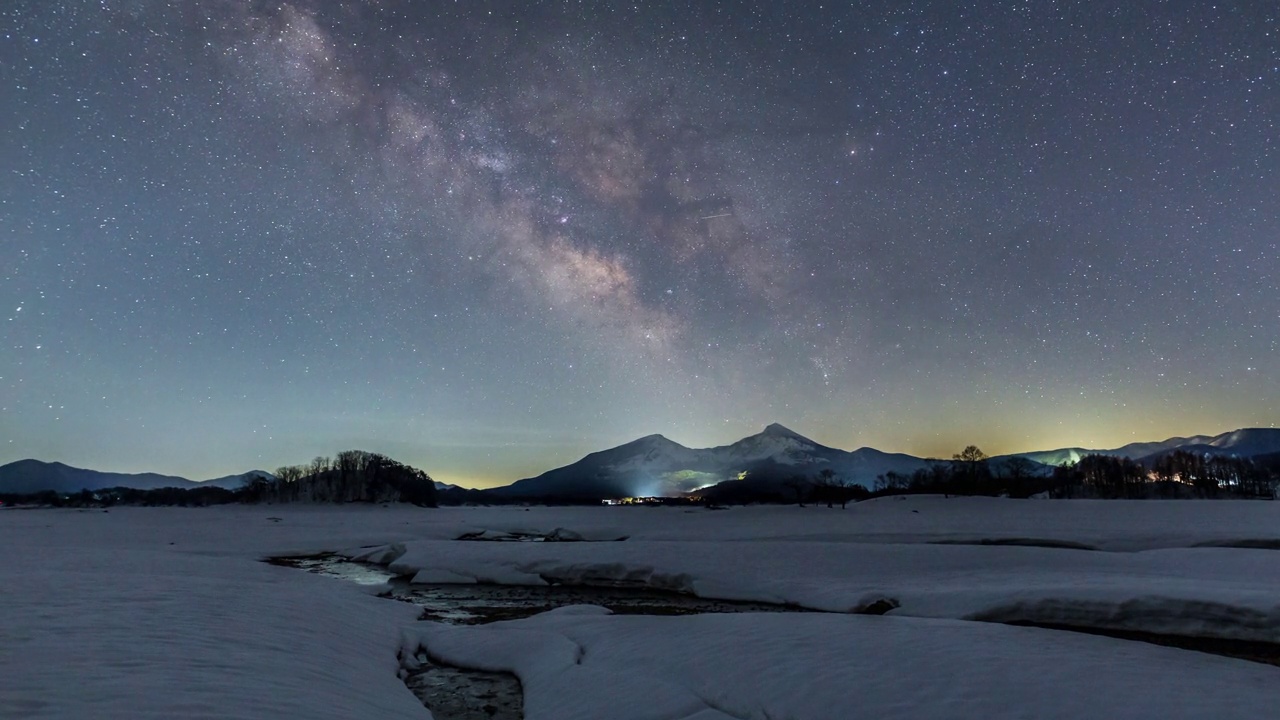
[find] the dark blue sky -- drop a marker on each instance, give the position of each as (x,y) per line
(487,238)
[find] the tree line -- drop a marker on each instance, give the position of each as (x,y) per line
(1175,475)
(109,497)
(1179,474)
(968,472)
(352,476)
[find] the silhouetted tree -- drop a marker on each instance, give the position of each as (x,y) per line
(831,488)
(971,466)
(1017,470)
(892,482)
(799,485)
(1112,477)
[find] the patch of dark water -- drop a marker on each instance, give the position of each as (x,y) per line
(1253,651)
(476,604)
(480,604)
(557,535)
(456,694)
(450,693)
(1018,542)
(1243,544)
(337,566)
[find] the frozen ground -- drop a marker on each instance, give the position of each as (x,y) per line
(95,631)
(164,613)
(576,665)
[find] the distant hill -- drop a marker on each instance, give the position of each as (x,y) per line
(1257,443)
(33,476)
(656,466)
(1247,442)
(235,482)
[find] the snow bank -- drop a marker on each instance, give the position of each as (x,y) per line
(1113,525)
(95,631)
(586,666)
(1202,592)
(164,612)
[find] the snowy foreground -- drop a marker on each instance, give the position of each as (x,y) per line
(165,613)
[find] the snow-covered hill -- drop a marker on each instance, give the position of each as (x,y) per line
(1247,442)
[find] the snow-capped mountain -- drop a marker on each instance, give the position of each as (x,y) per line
(32,476)
(1246,442)
(1249,442)
(652,465)
(776,442)
(656,466)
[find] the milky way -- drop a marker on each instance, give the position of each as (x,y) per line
(487,238)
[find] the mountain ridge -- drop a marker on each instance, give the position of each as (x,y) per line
(1246,442)
(24,477)
(646,467)
(655,465)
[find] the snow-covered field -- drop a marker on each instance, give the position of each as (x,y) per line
(165,613)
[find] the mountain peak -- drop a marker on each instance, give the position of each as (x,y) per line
(654,439)
(778,430)
(648,443)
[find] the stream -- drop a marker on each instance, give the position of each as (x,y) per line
(458,694)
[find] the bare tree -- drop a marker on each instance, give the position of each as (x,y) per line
(319,465)
(892,481)
(972,466)
(1016,471)
(832,488)
(825,488)
(799,485)
(971,454)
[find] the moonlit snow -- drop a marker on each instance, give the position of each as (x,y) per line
(166,613)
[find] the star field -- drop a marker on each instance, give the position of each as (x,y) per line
(487,238)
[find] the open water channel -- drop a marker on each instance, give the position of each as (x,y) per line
(457,694)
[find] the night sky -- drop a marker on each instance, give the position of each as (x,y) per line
(488,238)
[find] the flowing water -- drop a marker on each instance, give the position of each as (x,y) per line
(457,694)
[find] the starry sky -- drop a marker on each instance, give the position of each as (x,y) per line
(487,238)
